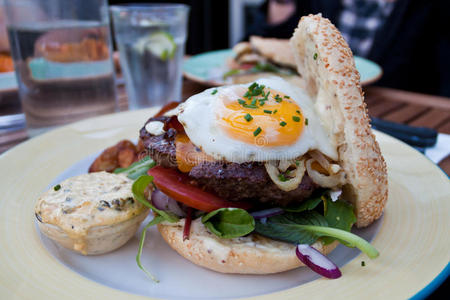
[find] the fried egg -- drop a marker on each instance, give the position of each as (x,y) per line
(269,119)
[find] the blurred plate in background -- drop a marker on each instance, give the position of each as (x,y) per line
(208,68)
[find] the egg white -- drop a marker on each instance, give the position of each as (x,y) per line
(200,112)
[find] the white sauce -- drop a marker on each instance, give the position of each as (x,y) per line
(334,195)
(155,127)
(82,202)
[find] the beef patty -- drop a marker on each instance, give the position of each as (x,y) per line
(230,181)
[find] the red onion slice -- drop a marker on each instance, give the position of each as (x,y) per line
(187,224)
(317,262)
(267,213)
(163,202)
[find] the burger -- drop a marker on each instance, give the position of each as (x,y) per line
(259,178)
(261,57)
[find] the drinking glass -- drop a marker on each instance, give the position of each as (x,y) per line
(151,40)
(63,60)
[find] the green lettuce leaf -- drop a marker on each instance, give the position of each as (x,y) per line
(156,220)
(138,190)
(306,228)
(260,67)
(339,214)
(229,223)
(137,169)
(308,204)
(287,227)
(231,73)
(269,67)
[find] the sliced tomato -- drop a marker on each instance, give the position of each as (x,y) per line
(246,66)
(172,122)
(176,185)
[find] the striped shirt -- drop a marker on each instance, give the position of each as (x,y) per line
(360,20)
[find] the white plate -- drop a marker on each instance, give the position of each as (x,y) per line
(413,237)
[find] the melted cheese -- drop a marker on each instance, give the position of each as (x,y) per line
(86,201)
(187,155)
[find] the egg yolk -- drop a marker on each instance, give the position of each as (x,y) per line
(270,118)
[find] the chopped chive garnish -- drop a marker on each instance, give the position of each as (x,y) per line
(257,131)
(214,92)
(315,56)
(249,106)
(297,111)
(296,119)
(255,90)
(248,117)
(282,177)
(241,102)
(252,86)
(57,187)
(287,97)
(278,98)
(261,102)
(306,121)
(275,111)
(283,123)
(267,111)
(267,95)
(253,102)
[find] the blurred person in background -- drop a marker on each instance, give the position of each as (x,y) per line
(409,39)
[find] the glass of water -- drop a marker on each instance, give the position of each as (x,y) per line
(151,40)
(63,60)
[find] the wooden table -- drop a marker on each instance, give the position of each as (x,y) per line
(389,104)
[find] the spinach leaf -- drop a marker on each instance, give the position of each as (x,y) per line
(229,223)
(306,228)
(156,220)
(308,204)
(137,169)
(138,189)
(339,214)
(287,227)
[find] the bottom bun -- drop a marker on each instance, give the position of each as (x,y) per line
(252,254)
